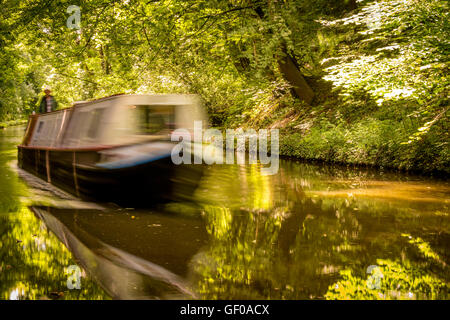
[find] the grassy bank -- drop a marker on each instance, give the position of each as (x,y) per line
(6,124)
(381,91)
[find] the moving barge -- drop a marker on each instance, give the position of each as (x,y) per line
(114,149)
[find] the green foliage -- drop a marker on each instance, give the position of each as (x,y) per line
(397,281)
(390,77)
(379,69)
(6,124)
(223,50)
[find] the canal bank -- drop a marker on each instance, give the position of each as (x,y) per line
(12,123)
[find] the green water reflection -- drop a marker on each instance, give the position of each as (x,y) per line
(33,261)
(312,231)
(309,232)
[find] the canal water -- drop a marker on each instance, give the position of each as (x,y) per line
(309,232)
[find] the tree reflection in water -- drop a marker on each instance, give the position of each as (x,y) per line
(33,261)
(305,234)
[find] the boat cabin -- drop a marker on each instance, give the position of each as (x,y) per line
(115,120)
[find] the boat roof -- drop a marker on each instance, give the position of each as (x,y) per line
(97,100)
(150,99)
(175,99)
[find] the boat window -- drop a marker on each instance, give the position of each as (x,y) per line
(152,120)
(40,125)
(94,126)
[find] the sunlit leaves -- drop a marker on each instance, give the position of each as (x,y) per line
(399,281)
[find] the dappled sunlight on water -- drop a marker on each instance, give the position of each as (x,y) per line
(318,223)
(389,190)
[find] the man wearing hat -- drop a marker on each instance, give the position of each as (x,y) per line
(47,102)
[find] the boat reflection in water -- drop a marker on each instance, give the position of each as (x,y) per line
(118,254)
(114,149)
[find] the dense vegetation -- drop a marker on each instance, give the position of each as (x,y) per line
(362,82)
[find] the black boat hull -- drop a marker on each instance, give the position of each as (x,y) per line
(137,186)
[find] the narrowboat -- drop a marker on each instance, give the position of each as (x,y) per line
(115,149)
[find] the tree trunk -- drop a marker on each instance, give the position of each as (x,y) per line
(290,71)
(294,77)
